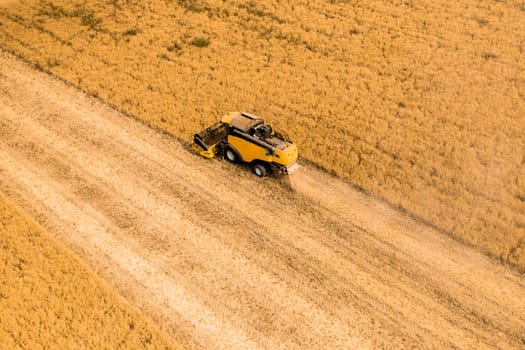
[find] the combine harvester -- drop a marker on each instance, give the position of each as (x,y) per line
(244,138)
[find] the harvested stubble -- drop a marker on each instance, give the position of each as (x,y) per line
(49,299)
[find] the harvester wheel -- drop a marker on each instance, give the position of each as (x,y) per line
(231,155)
(259,170)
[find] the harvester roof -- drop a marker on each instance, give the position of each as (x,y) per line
(242,121)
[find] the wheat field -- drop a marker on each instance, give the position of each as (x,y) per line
(418,102)
(38,310)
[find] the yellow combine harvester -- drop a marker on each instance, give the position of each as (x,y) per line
(242,137)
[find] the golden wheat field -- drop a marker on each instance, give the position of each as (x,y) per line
(39,310)
(425,117)
(418,102)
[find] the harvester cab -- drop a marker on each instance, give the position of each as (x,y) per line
(245,138)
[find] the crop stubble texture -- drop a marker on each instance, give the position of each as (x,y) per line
(49,299)
(420,103)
